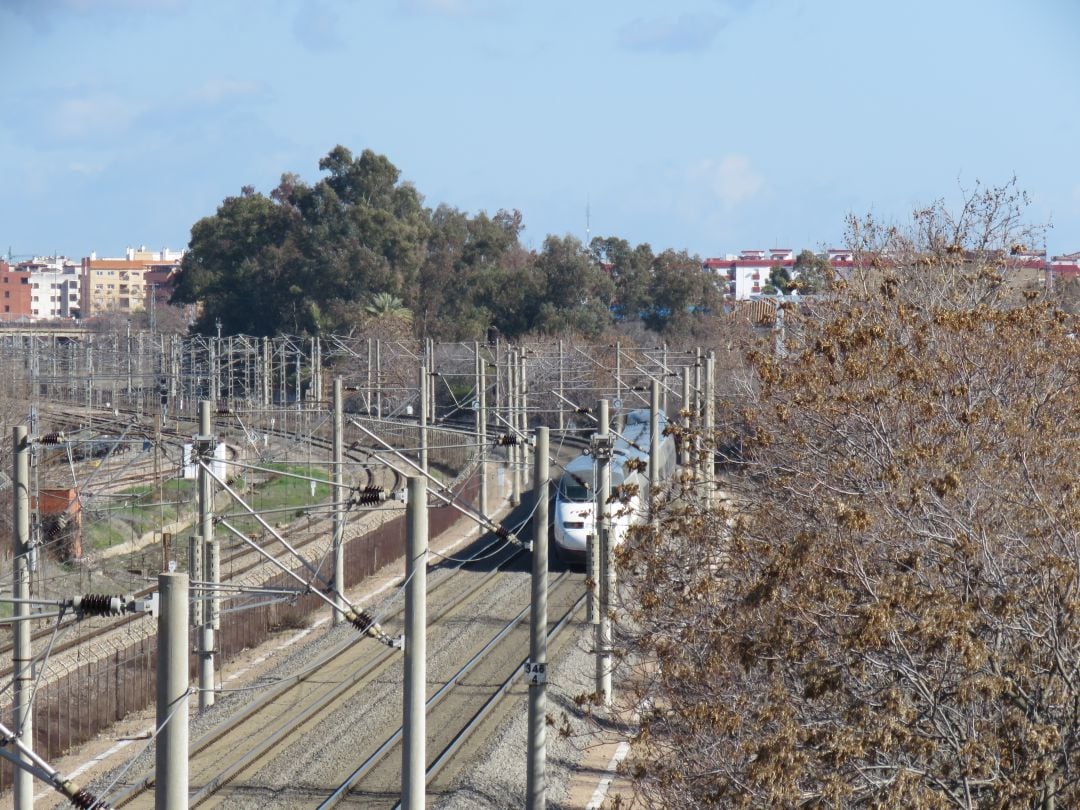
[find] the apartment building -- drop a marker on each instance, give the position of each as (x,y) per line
(748,271)
(122,285)
(55,287)
(14,293)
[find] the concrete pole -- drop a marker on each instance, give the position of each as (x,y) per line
(432,401)
(413,755)
(708,473)
(481,424)
(663,376)
(206,532)
(22,659)
(618,371)
(422,386)
(698,365)
(211,369)
(687,409)
(654,444)
(500,393)
(511,422)
(171,784)
(523,419)
(369,396)
(562,388)
(339,503)
(230,373)
(378,378)
(605,549)
(536,778)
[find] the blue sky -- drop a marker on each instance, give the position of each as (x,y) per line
(707,125)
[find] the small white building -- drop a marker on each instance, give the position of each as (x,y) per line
(54,287)
(748,272)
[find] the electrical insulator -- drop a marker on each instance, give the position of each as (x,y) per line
(51,438)
(507,440)
(368,496)
(224,410)
(363,621)
(96,604)
(502,533)
(583,411)
(85,800)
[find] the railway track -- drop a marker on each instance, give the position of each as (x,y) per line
(228,765)
(235,563)
(476,693)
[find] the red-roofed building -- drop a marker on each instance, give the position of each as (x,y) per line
(748,273)
(1063,268)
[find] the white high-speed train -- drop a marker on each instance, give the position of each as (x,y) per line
(575,496)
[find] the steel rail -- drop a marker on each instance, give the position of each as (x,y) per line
(275,692)
(453,681)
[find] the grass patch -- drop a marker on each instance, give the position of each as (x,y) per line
(142,509)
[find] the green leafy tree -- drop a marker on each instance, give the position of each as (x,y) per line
(631,271)
(223,268)
(813,273)
(385,305)
(286,262)
(682,294)
(578,291)
(779,280)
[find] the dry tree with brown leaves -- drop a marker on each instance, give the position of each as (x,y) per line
(884,613)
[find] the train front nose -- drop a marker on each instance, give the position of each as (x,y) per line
(573,525)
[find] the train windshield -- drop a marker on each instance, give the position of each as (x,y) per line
(574,489)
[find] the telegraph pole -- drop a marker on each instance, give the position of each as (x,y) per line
(523,418)
(481,424)
(204,446)
(602,446)
(414,757)
(422,379)
(22,658)
(687,411)
(378,378)
(339,503)
(171,784)
(654,443)
(536,779)
(709,419)
(562,389)
(512,402)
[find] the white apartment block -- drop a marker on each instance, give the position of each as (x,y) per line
(54,287)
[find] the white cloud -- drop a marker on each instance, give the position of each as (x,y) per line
(86,169)
(91,117)
(731,180)
(317,27)
(217,91)
(687,32)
